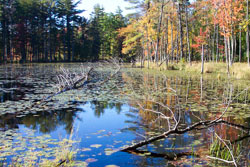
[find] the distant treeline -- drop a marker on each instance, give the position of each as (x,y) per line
(53,30)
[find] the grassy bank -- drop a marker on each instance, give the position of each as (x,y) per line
(237,70)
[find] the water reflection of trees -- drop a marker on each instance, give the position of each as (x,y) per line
(200,99)
(44,122)
(47,122)
(99,107)
(198,96)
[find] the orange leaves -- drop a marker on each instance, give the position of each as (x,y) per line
(201,39)
(196,46)
(227,14)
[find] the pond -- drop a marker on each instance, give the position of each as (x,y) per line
(102,120)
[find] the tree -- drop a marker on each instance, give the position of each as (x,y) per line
(247,34)
(201,42)
(68,11)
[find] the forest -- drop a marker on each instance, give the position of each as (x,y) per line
(53,31)
(166,84)
(159,31)
(203,30)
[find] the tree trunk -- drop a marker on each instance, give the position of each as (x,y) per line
(166,44)
(172,40)
(50,28)
(202,58)
(188,42)
(158,32)
(227,55)
(240,46)
(229,51)
(4,38)
(180,31)
(235,47)
(177,45)
(247,36)
(68,38)
(232,54)
(148,51)
(213,42)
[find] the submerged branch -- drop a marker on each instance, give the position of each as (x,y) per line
(223,160)
(195,126)
(176,129)
(170,157)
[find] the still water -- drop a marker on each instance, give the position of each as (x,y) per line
(101,126)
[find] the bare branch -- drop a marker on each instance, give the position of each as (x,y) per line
(229,103)
(223,160)
(231,153)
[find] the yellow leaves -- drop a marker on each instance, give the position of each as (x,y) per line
(244,24)
(133,39)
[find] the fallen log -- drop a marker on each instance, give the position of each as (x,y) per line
(177,131)
(71,81)
(168,156)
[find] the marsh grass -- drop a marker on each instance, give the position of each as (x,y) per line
(219,150)
(237,70)
(208,67)
(162,67)
(240,71)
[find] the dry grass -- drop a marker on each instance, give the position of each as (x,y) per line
(208,67)
(238,70)
(162,67)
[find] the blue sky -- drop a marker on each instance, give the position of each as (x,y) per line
(109,6)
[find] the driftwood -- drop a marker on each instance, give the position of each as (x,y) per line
(178,131)
(68,80)
(169,157)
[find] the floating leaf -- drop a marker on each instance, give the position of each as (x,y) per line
(86,149)
(89,160)
(96,145)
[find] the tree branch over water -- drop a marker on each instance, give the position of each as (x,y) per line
(173,118)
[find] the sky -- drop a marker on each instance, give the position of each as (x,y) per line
(109,6)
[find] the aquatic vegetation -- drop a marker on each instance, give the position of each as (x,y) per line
(31,150)
(224,150)
(109,118)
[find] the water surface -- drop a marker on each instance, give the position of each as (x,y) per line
(103,119)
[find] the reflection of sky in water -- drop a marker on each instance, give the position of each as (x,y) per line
(104,129)
(90,119)
(111,126)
